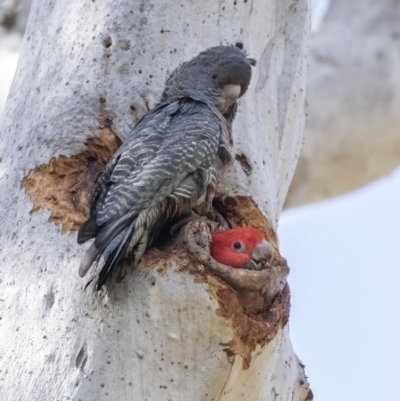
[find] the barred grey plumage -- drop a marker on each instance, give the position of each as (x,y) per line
(170,162)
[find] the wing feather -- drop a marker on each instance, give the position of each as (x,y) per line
(181,142)
(166,164)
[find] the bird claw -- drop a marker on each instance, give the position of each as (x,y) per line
(212,225)
(177,226)
(256,266)
(217,217)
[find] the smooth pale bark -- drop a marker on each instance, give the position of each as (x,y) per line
(353,93)
(156,335)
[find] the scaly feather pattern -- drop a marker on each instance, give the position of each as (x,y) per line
(163,169)
(170,162)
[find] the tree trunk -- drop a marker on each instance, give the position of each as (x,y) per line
(171,330)
(352,132)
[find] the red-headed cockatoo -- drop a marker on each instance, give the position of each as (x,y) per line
(241,248)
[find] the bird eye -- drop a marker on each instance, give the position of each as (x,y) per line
(214,76)
(237,245)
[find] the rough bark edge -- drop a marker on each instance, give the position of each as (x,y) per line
(241,211)
(64,185)
(250,329)
(257,303)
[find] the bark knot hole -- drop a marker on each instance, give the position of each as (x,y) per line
(107,42)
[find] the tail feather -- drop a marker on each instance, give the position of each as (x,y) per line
(106,269)
(112,254)
(90,256)
(100,257)
(112,229)
(128,236)
(100,253)
(88,230)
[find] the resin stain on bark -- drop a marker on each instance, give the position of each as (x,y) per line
(64,185)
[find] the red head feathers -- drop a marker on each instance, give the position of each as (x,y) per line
(241,247)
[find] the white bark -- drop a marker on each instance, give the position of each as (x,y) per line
(353,93)
(154,336)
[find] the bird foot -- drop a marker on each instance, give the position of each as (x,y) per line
(177,226)
(217,217)
(213,225)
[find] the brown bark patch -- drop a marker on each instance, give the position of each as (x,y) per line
(250,330)
(241,211)
(64,185)
(162,260)
(257,303)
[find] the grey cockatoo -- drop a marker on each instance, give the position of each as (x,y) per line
(170,162)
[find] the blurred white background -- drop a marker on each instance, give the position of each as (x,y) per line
(344,255)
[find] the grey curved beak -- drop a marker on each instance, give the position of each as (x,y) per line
(231,94)
(262,253)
